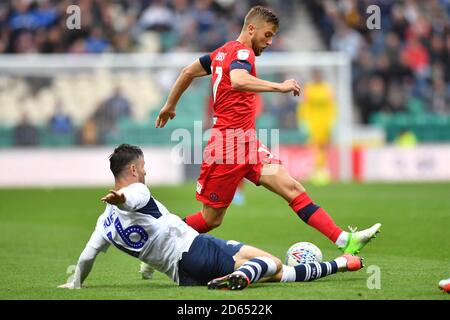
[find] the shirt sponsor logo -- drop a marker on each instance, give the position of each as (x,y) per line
(220,56)
(243,54)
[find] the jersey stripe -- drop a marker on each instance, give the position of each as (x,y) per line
(205,61)
(241,64)
(151,208)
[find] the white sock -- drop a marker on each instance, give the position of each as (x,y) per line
(341,263)
(288,274)
(342,239)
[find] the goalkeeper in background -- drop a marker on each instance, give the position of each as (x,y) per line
(316,115)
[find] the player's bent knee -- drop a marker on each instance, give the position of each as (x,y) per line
(279,264)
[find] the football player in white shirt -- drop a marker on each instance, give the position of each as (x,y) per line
(137,224)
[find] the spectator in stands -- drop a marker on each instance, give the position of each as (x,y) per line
(109,112)
(118,105)
(96,42)
(60,122)
(374,99)
(87,134)
(438,97)
(121,23)
(416,56)
(408,61)
(25,133)
(346,40)
(157,17)
(392,47)
(396,98)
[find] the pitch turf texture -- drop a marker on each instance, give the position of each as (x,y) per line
(43,231)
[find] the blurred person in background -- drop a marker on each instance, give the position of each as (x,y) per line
(60,122)
(25,133)
(109,112)
(316,114)
(406,139)
(87,134)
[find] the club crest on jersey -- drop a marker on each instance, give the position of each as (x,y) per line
(243,54)
(213,196)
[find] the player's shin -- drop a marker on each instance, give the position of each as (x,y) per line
(308,271)
(317,218)
(257,268)
(315,270)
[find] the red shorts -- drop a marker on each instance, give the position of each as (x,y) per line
(218,182)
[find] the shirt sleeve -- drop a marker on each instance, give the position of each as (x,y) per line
(243,59)
(136,195)
(205,61)
(87,258)
(97,242)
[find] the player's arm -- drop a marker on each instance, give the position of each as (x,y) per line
(242,80)
(131,198)
(196,69)
(86,261)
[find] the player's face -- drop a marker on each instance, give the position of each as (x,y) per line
(262,37)
(140,168)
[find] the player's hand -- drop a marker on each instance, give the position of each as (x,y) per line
(68,285)
(114,197)
(290,85)
(165,114)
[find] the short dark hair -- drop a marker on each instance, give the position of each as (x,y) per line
(122,156)
(262,13)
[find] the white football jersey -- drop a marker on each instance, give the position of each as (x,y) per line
(144,228)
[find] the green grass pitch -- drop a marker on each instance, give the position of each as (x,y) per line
(43,231)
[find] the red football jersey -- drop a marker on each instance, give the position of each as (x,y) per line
(233,109)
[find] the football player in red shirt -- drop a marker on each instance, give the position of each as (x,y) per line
(226,162)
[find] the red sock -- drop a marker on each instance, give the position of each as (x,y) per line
(315,216)
(197,222)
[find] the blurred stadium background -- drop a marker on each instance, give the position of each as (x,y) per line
(67,97)
(104,83)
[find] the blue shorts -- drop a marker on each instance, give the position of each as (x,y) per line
(208,258)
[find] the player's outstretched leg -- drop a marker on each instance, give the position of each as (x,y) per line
(317,270)
(264,267)
(444,285)
(292,191)
(349,242)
